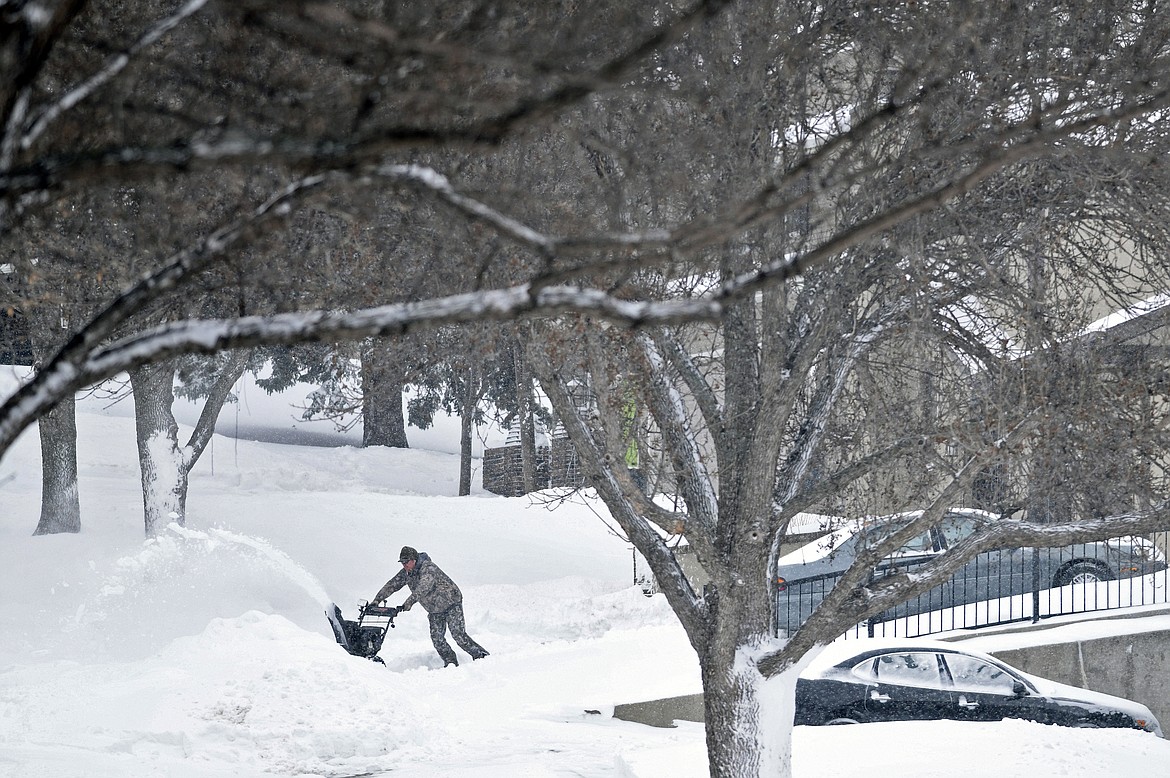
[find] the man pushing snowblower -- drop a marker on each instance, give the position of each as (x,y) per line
(442,599)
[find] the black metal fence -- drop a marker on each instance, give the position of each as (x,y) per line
(1011,585)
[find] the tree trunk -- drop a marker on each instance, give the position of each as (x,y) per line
(164,475)
(527,431)
(749,718)
(60,495)
(467,417)
(165,465)
(383,420)
(60,505)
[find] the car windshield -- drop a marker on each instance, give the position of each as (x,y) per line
(957,526)
(874,535)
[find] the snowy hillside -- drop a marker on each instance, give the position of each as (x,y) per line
(205,652)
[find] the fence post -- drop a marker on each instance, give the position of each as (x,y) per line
(1035,585)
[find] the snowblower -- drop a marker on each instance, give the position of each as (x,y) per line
(362,637)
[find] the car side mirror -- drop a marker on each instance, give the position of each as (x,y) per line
(1019,689)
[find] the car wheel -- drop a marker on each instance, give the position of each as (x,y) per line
(1083,573)
(849,717)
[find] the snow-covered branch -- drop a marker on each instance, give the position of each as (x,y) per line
(113,66)
(52,171)
(694,480)
(438,184)
(841,608)
(817,417)
(855,597)
(30,32)
(75,368)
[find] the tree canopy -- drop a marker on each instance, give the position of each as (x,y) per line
(845,255)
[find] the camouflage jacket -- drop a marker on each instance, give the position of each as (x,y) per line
(428,585)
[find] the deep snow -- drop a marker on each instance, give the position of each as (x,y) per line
(205,652)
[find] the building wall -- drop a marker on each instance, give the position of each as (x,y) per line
(556,466)
(501,471)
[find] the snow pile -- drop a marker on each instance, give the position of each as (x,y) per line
(179,582)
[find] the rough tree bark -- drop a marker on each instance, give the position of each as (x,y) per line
(466,426)
(165,465)
(527,423)
(383,419)
(57,429)
(164,478)
(60,501)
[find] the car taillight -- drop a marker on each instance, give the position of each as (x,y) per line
(781,585)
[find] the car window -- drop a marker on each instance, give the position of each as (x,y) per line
(919,545)
(909,669)
(866,670)
(976,675)
(957,526)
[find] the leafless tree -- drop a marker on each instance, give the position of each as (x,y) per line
(765,219)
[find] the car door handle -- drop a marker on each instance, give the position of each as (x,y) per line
(879,697)
(963,703)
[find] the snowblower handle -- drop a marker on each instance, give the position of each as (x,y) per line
(379,612)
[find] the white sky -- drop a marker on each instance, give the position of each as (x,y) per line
(206,653)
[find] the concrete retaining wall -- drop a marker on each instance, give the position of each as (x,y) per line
(1133,662)
(662,713)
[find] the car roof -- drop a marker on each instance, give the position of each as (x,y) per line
(824,546)
(848,652)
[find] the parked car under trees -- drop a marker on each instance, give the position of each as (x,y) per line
(807,574)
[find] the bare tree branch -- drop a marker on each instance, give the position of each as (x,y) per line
(113,66)
(53,171)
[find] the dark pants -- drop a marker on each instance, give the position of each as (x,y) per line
(452,618)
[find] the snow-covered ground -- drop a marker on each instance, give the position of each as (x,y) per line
(205,652)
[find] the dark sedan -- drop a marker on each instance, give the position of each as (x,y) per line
(862,681)
(806,575)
